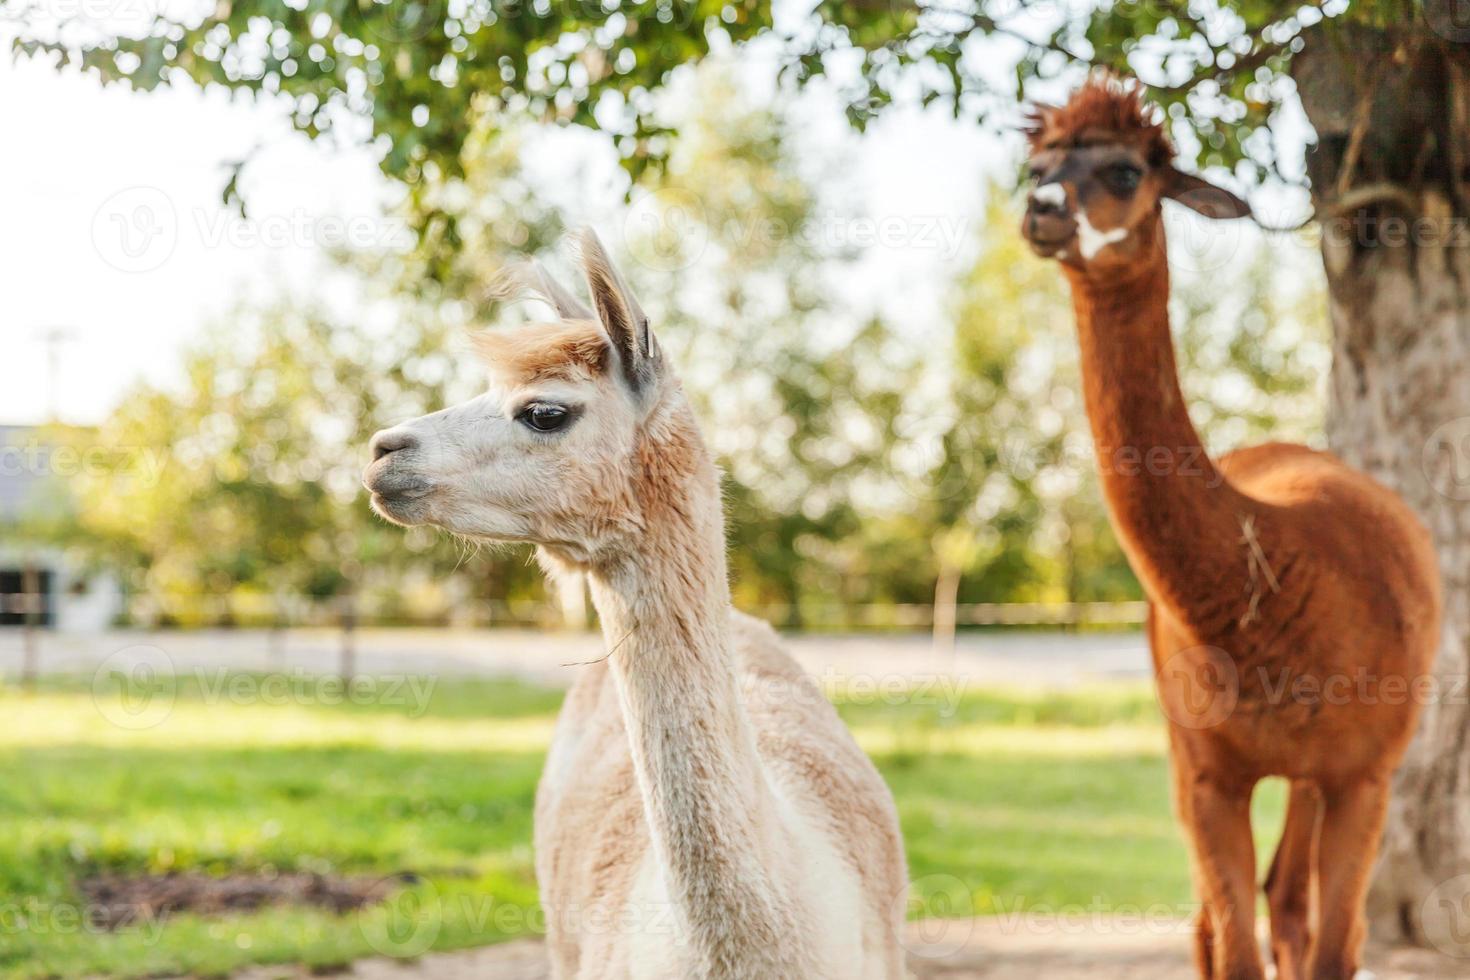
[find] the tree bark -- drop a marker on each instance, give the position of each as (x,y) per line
(1398,276)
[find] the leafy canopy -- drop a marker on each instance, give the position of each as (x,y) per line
(424,75)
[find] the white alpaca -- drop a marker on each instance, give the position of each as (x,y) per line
(703,813)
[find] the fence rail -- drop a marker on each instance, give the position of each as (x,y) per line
(289,611)
(348,614)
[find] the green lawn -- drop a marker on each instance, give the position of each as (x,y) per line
(1012,801)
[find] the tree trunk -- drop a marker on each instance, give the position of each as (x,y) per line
(1401,412)
(1398,274)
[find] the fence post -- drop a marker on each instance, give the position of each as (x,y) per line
(277,639)
(347,662)
(946,609)
(33,605)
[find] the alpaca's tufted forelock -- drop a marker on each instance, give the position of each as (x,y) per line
(1106,109)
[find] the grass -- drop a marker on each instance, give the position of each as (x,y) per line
(1009,801)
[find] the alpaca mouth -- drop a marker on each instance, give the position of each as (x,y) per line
(1048,234)
(385,480)
(1047,247)
(398,509)
(395,495)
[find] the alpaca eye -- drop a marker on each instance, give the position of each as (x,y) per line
(544,418)
(1122,177)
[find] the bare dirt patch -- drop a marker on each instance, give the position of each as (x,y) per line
(120,900)
(982,949)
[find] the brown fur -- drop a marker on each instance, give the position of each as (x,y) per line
(1104,110)
(1274,574)
(576,349)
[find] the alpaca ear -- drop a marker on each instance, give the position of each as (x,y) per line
(620,315)
(522,278)
(1200,195)
(562,299)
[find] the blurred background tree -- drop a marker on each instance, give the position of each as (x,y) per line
(866,466)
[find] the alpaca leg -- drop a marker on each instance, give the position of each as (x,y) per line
(1204,926)
(1352,823)
(1219,816)
(1204,930)
(1289,884)
(1204,944)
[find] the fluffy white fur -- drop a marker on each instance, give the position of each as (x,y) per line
(703,812)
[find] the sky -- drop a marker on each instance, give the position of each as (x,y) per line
(116,238)
(116,234)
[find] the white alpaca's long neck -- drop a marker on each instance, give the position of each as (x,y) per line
(665,614)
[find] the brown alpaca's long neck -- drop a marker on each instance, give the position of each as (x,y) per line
(665,611)
(1177,518)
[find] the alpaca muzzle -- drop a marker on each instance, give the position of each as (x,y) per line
(391,477)
(1049,224)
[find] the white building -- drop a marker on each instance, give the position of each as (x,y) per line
(75,599)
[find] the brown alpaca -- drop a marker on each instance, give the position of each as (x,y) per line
(1294,602)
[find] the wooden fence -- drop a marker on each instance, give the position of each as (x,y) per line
(347,614)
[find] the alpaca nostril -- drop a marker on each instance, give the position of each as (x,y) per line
(391,441)
(1049,199)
